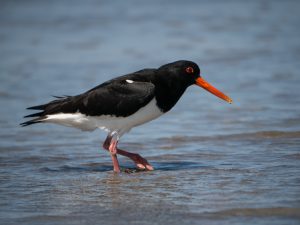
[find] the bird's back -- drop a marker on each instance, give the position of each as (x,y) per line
(118,97)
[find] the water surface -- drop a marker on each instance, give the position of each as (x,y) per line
(215,163)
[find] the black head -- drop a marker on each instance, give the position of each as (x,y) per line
(185,71)
(188,73)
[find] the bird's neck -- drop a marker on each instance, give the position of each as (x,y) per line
(168,93)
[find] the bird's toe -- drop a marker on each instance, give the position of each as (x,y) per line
(141,162)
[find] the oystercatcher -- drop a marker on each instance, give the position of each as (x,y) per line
(124,102)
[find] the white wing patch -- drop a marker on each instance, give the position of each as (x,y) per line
(129,81)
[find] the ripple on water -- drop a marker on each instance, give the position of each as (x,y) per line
(258,212)
(233,137)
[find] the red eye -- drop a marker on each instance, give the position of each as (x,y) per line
(189,70)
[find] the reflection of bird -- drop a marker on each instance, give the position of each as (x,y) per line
(124,102)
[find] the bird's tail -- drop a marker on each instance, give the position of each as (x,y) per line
(45,109)
(40,116)
(30,122)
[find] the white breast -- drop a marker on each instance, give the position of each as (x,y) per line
(108,123)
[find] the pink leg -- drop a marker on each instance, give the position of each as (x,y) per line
(111,144)
(140,162)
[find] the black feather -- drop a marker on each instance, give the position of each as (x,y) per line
(38,107)
(60,97)
(54,96)
(34,115)
(30,122)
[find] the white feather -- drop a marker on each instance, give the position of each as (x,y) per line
(129,81)
(107,123)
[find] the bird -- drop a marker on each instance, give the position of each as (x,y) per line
(124,102)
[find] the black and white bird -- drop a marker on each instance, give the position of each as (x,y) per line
(124,102)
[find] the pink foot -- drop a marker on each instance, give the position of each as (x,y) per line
(139,161)
(110,144)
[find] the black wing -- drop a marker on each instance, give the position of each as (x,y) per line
(118,97)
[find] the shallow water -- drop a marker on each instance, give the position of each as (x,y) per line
(215,163)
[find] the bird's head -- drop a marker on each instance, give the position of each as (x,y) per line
(189,73)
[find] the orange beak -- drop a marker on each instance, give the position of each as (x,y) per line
(202,83)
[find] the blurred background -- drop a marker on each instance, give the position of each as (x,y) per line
(214,162)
